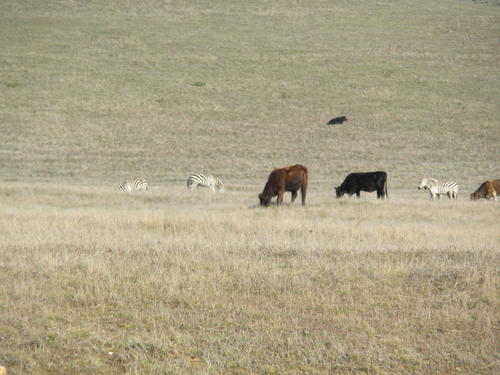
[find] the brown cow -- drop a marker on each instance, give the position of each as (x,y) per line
(488,189)
(280,180)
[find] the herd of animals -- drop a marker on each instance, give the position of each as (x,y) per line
(295,178)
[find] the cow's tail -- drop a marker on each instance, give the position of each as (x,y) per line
(385,189)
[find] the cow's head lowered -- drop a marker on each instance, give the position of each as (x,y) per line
(477,195)
(265,199)
(484,191)
(339,192)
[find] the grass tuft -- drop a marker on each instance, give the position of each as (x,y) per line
(13,85)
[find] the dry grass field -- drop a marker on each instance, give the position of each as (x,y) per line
(94,281)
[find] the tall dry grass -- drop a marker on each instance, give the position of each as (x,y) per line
(172,282)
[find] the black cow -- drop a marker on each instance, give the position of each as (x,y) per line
(368,181)
(337,120)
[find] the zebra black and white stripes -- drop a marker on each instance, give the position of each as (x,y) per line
(125,186)
(205,181)
(139,184)
(436,188)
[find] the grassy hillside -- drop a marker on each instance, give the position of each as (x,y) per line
(93,281)
(103,89)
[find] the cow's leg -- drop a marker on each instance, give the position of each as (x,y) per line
(358,193)
(280,197)
(294,195)
(303,194)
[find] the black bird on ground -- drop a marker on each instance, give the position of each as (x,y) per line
(337,120)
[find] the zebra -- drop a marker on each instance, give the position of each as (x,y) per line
(138,184)
(205,181)
(124,186)
(450,188)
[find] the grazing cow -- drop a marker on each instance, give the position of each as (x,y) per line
(280,180)
(488,189)
(337,120)
(368,181)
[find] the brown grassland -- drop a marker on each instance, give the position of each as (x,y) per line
(94,281)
